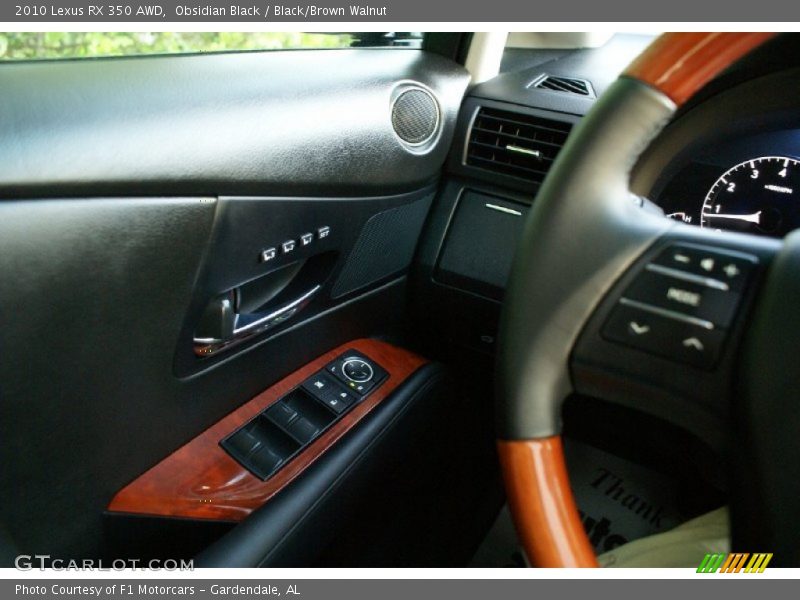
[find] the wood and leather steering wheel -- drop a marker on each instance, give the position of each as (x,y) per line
(585,235)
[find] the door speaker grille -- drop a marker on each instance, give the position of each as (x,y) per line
(384,247)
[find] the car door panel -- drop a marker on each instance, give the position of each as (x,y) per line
(135,191)
(90,319)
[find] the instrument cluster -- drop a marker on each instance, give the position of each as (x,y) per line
(739,188)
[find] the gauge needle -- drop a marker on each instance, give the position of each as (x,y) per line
(754,218)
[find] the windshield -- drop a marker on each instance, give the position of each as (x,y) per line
(68,44)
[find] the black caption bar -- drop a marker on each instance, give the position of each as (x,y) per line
(460,11)
(344,589)
(189,11)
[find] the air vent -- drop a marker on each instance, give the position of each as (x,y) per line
(515,144)
(566,85)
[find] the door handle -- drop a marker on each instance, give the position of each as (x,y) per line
(231,328)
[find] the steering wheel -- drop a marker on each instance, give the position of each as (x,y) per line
(609,299)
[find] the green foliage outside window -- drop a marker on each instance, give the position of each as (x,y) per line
(67,44)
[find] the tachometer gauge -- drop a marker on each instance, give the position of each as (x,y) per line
(761,195)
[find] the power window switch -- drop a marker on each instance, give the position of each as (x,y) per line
(242,443)
(281,414)
(306,239)
(264,462)
(288,246)
(303,430)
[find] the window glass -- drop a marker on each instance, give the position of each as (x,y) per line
(68,44)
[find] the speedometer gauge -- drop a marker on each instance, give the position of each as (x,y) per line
(761,196)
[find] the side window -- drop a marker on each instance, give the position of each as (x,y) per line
(68,44)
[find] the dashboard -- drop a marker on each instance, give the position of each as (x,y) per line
(730,160)
(750,184)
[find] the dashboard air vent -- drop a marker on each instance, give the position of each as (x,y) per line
(566,85)
(515,144)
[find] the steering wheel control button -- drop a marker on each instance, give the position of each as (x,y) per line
(686,276)
(288,246)
(357,370)
(306,239)
(693,342)
(685,297)
(679,341)
(728,268)
(323,232)
(268,254)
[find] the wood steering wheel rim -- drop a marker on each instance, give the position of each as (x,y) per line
(676,65)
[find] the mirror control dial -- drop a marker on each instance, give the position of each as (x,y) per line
(357,370)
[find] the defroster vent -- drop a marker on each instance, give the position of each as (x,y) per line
(565,85)
(515,144)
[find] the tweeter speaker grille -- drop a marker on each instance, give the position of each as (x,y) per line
(415,116)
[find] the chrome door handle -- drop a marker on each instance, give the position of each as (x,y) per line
(245,325)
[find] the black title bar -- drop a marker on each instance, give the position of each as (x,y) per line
(458,11)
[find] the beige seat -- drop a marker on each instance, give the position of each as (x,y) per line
(683,546)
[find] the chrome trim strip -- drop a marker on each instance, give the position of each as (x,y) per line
(248,325)
(503,209)
(669,314)
(521,150)
(691,277)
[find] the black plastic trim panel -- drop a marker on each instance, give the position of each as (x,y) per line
(465,318)
(600,66)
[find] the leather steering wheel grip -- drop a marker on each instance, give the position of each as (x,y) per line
(532,364)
